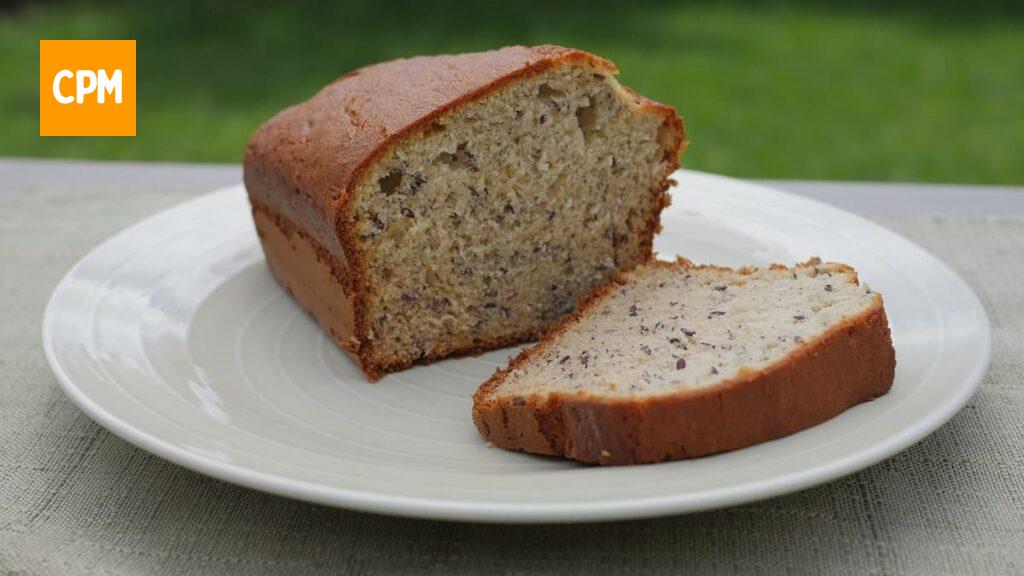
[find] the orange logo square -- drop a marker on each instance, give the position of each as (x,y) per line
(87,87)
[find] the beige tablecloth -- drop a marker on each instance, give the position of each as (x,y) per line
(76,499)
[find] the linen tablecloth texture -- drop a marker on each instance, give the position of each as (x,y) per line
(76,499)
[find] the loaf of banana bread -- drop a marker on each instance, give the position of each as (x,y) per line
(446,205)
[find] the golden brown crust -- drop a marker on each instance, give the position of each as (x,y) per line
(302,164)
(852,362)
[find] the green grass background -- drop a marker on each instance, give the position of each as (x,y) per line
(922,91)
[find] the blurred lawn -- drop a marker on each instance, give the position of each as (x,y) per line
(774,90)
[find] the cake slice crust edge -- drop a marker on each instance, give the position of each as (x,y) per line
(855,357)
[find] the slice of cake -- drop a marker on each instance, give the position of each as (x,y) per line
(677,361)
(445,205)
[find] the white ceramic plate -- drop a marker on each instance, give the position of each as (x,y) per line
(174,335)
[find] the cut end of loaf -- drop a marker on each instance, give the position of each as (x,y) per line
(488,225)
(676,360)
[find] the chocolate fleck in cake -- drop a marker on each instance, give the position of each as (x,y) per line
(446,205)
(675,360)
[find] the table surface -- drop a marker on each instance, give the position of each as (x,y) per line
(76,499)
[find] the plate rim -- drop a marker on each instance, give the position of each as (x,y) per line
(518,513)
